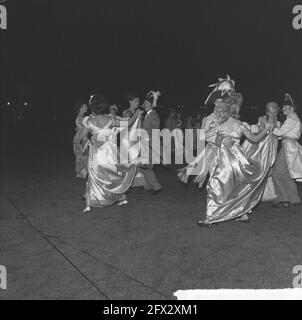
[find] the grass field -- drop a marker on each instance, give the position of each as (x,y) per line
(146,250)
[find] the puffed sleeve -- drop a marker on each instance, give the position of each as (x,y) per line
(246,125)
(245,128)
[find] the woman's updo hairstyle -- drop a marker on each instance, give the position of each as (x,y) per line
(98,104)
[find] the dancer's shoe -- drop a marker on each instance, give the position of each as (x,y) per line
(281,204)
(204,225)
(87,209)
(122,202)
(243,219)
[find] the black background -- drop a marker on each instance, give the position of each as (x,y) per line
(65,50)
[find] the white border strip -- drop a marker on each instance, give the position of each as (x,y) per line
(238,294)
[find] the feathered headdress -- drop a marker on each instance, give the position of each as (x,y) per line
(98,99)
(222,89)
(288,100)
(153,96)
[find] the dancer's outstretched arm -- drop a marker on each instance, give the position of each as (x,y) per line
(255,138)
(127,122)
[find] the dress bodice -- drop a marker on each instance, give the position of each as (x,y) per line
(232,128)
(99,133)
(211,119)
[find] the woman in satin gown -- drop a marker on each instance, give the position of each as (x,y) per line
(206,159)
(80,141)
(108,179)
(235,183)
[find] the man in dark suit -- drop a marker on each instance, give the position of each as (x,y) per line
(150,122)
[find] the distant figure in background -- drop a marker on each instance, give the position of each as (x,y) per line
(150,122)
(171,122)
(288,166)
(113,110)
(196,127)
(198,121)
(133,100)
(80,141)
(179,119)
(190,122)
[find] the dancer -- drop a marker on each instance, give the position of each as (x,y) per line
(108,181)
(150,122)
(207,156)
(288,166)
(80,141)
(235,184)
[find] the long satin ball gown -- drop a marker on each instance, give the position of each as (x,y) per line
(255,150)
(108,180)
(236,182)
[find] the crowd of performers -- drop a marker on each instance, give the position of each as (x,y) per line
(243,163)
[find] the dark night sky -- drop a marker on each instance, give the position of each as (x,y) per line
(74,48)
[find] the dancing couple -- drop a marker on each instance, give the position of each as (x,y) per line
(238,174)
(99,158)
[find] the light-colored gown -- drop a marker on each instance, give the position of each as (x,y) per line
(139,180)
(108,180)
(237,181)
(206,159)
(255,150)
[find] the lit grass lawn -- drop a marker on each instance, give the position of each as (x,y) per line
(146,250)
